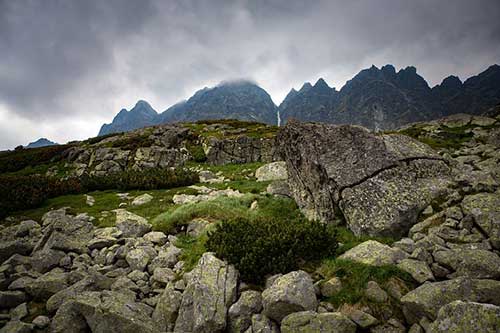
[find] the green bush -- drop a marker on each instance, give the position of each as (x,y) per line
(20,158)
(197,152)
(97,139)
(258,247)
(23,192)
(132,142)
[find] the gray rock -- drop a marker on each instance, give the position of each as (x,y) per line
(211,290)
(262,324)
(16,326)
(291,292)
(142,199)
(485,209)
(66,233)
(361,318)
(138,259)
(131,225)
(163,275)
(41,322)
(310,321)
(426,300)
(374,293)
(374,253)
(465,317)
(419,270)
(240,313)
(92,282)
(19,312)
(102,312)
(331,287)
(167,309)
(48,284)
(279,187)
(364,174)
(156,237)
(272,171)
(45,260)
(11,299)
(479,264)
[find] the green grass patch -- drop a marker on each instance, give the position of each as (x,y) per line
(354,277)
(348,240)
(231,128)
(244,186)
(232,172)
(192,249)
(212,210)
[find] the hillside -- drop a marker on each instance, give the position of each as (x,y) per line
(149,230)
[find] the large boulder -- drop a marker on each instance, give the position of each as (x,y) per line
(479,264)
(466,317)
(130,224)
(485,209)
(167,309)
(240,313)
(211,289)
(292,292)
(66,232)
(426,300)
(380,182)
(101,312)
(374,253)
(310,321)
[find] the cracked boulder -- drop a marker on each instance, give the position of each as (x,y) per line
(211,290)
(380,182)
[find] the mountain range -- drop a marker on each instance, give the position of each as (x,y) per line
(378,99)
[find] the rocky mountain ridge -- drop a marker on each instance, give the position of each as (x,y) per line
(378,99)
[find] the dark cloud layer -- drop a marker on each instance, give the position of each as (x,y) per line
(66,66)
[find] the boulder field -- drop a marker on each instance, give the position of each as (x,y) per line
(440,204)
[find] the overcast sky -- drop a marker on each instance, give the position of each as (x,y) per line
(68,66)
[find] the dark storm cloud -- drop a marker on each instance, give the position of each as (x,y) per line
(67,66)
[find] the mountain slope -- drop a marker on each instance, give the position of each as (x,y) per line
(141,115)
(242,100)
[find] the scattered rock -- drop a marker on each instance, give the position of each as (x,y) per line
(419,270)
(426,300)
(131,225)
(465,317)
(167,309)
(479,264)
(156,237)
(290,293)
(209,293)
(41,322)
(142,199)
(374,253)
(240,313)
(331,287)
(374,293)
(310,321)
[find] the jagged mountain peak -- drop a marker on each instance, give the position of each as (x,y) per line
(42,142)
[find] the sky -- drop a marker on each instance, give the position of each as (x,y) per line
(68,66)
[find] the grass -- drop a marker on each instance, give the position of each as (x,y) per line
(349,240)
(234,129)
(192,249)
(232,172)
(354,277)
(107,201)
(244,186)
(214,210)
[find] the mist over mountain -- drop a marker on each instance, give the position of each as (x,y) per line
(377,98)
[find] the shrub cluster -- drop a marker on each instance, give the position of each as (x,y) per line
(133,142)
(24,192)
(260,247)
(197,152)
(21,158)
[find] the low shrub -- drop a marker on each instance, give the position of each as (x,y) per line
(23,192)
(197,152)
(355,276)
(132,142)
(21,158)
(258,247)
